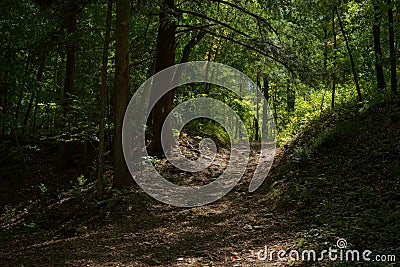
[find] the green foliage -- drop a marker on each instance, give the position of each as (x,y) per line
(207,129)
(42,188)
(81,180)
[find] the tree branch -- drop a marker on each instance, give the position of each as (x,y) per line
(191,44)
(242,9)
(214,20)
(249,47)
(191,27)
(224,25)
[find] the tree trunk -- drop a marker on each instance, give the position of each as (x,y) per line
(69,86)
(291,97)
(334,62)
(166,49)
(33,123)
(122,176)
(103,100)
(239,128)
(257,119)
(275,102)
(353,66)
(393,74)
(376,30)
(265,108)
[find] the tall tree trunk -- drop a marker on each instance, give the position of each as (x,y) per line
(393,74)
(376,30)
(165,57)
(103,100)
(239,128)
(326,57)
(257,119)
(334,62)
(275,103)
(291,97)
(353,66)
(69,86)
(122,176)
(265,108)
(33,123)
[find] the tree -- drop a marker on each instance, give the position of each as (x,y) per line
(353,65)
(165,57)
(69,85)
(290,97)
(265,130)
(122,176)
(376,30)
(334,61)
(103,98)
(393,67)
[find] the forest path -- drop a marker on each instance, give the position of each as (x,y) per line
(339,180)
(137,230)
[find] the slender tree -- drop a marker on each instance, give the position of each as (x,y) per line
(265,107)
(69,84)
(103,100)
(393,67)
(334,61)
(376,30)
(257,118)
(353,65)
(122,176)
(291,97)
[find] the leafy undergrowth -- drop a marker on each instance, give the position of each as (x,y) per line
(338,180)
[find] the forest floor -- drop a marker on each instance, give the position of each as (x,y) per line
(338,180)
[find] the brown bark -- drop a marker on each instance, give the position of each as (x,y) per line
(376,30)
(334,62)
(291,97)
(165,57)
(265,107)
(103,100)
(257,119)
(122,176)
(69,86)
